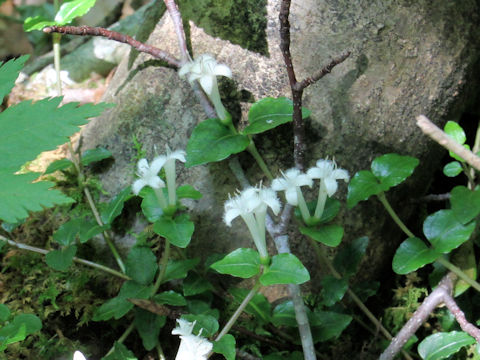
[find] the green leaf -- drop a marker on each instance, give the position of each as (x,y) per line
(393,169)
(333,290)
(452,169)
(331,209)
(61,259)
(170,298)
(465,203)
(243,263)
(148,326)
(90,229)
(330,235)
(285,269)
(445,232)
(363,185)
(94,155)
(118,306)
(455,131)
(194,284)
(120,352)
(412,255)
(58,165)
(178,230)
(18,329)
(188,192)
(211,141)
(442,345)
(37,23)
(327,325)
(464,258)
(347,259)
(141,265)
(8,74)
(225,346)
(67,232)
(206,322)
(268,113)
(4,312)
(259,306)
(115,206)
(178,269)
(27,129)
(284,314)
(72,9)
(150,206)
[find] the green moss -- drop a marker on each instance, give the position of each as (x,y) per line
(242,22)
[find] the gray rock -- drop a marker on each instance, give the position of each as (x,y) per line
(408,58)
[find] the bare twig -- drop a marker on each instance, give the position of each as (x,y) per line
(178,25)
(113,35)
(442,294)
(432,130)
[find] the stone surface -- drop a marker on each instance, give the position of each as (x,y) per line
(408,58)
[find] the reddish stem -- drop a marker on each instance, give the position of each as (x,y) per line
(113,35)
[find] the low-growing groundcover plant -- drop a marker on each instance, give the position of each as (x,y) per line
(169,303)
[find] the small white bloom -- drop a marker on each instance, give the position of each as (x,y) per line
(292,180)
(327,172)
(148,175)
(252,204)
(205,69)
(77,355)
(169,165)
(192,347)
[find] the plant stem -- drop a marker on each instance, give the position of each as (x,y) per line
(162,267)
(77,260)
(393,214)
(122,338)
(459,273)
(252,149)
(56,52)
(239,310)
(91,203)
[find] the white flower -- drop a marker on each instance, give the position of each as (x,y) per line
(77,355)
(327,172)
(252,204)
(192,347)
(169,165)
(148,175)
(291,182)
(205,69)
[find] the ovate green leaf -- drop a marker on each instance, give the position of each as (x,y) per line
(57,165)
(206,322)
(285,269)
(178,269)
(269,113)
(333,290)
(412,255)
(347,259)
(72,9)
(148,326)
(225,346)
(177,230)
(445,232)
(465,203)
(328,325)
(243,263)
(115,206)
(363,185)
(212,141)
(141,265)
(188,192)
(259,306)
(452,169)
(93,155)
(61,259)
(170,298)
(442,345)
(393,169)
(330,235)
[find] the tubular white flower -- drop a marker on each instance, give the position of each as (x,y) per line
(205,69)
(192,347)
(77,355)
(148,175)
(327,172)
(292,180)
(169,165)
(252,204)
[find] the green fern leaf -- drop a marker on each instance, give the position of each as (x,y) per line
(26,130)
